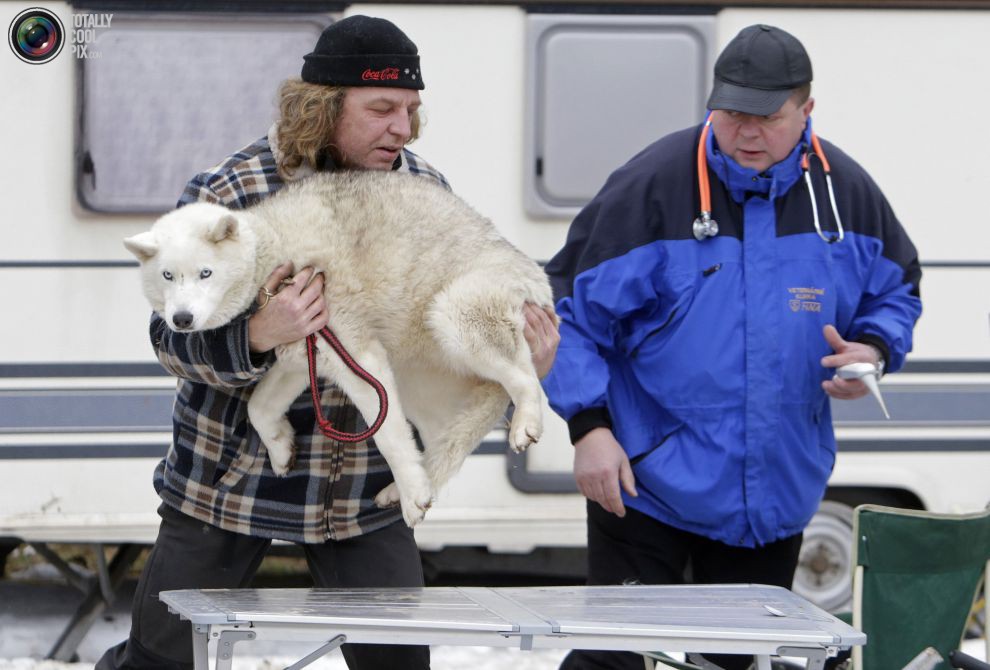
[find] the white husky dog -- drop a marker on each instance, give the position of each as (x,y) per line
(422,291)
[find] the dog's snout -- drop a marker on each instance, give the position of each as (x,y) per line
(182,320)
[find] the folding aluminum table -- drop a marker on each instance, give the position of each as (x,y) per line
(745,619)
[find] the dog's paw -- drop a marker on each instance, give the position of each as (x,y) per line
(388,496)
(522,434)
(282,462)
(281,451)
(415,511)
(416,489)
(414,502)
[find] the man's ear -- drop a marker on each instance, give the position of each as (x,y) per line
(142,245)
(225,228)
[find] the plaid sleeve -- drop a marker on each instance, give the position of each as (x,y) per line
(416,165)
(198,191)
(219,357)
(243,179)
(232,189)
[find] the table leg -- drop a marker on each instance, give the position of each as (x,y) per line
(201,647)
(816,657)
(225,646)
(319,653)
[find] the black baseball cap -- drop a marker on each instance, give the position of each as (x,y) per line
(758,70)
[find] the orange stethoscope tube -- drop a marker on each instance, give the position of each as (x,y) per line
(706,226)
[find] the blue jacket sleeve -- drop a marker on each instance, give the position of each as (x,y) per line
(890,304)
(598,283)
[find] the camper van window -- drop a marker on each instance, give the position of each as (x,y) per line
(599,90)
(163,96)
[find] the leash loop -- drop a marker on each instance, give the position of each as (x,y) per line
(326,426)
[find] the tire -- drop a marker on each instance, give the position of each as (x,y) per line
(824,572)
(7,546)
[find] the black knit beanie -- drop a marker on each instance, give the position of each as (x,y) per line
(363,51)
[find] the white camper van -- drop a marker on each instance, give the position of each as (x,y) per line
(528,109)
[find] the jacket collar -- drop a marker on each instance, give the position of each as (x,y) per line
(742,182)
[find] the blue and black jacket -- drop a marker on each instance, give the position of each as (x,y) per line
(705,357)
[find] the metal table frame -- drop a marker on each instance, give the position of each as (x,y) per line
(745,619)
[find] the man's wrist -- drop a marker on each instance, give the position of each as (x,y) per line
(881,348)
(881,361)
(587,420)
(258,345)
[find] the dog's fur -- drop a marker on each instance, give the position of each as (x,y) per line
(421,289)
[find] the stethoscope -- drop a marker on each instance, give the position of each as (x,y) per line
(705,226)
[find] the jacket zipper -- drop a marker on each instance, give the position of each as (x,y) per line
(653,332)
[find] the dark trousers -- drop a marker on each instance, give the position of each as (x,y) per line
(192,554)
(639,549)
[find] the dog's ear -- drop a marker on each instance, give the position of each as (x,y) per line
(142,245)
(225,228)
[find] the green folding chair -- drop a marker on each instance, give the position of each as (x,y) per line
(917,576)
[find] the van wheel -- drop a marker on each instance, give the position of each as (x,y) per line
(7,546)
(824,572)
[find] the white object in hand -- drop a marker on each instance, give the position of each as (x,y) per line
(870,376)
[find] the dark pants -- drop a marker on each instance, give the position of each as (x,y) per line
(191,554)
(638,548)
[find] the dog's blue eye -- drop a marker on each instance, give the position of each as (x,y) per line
(167,275)
(205,273)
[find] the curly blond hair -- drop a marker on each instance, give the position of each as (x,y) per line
(308,114)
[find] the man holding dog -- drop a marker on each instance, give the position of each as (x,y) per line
(697,361)
(355,107)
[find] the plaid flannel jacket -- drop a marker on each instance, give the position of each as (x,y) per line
(215,469)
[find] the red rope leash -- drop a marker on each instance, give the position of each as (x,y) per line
(326,427)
